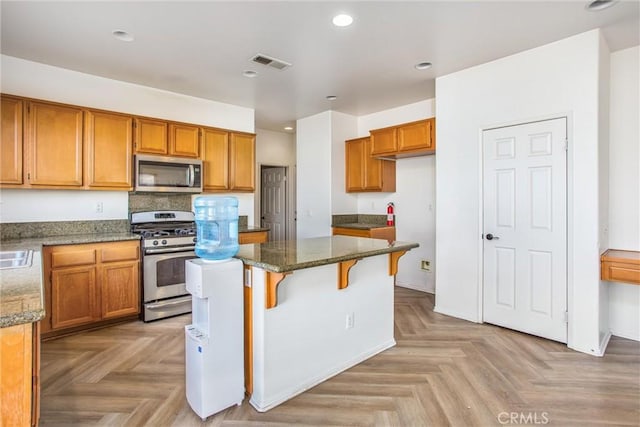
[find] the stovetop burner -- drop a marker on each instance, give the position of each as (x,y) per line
(164,228)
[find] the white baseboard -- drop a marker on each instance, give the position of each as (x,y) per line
(416,287)
(312,382)
(625,335)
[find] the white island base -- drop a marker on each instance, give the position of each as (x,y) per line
(316,330)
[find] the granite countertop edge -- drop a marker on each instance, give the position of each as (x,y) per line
(283,268)
(361,226)
(252,229)
(15,319)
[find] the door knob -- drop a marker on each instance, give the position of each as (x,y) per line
(492,237)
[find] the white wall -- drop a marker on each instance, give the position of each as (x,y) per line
(343,127)
(414,198)
(313,180)
(603,183)
(35,80)
(557,79)
(277,149)
(624,184)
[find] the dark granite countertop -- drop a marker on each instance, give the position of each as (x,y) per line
(361,226)
(21,289)
(289,255)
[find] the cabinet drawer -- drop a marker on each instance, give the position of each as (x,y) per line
(68,257)
(351,232)
(252,237)
(120,252)
(621,272)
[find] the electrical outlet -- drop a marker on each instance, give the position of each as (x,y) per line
(350,320)
(99,207)
(425,265)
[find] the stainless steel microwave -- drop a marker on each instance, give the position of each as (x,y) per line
(167,174)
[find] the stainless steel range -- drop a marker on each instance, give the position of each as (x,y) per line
(168,240)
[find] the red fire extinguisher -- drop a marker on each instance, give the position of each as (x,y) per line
(391,218)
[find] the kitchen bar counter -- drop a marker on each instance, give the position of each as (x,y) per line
(21,290)
(313,308)
(291,255)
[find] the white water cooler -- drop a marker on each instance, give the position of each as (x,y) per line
(214,342)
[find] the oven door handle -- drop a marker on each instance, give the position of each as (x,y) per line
(174,249)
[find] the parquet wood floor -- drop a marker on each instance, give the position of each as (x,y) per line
(443,371)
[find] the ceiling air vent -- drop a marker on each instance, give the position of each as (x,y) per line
(270,62)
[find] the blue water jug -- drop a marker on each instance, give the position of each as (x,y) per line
(217,227)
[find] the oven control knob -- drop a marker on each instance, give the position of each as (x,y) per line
(195,239)
(155,243)
(164,242)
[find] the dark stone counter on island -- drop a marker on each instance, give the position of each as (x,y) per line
(290,255)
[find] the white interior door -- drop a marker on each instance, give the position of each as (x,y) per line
(525,228)
(273,202)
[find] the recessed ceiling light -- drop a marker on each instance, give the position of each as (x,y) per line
(122,35)
(342,20)
(288,128)
(331,97)
(600,4)
(249,73)
(423,65)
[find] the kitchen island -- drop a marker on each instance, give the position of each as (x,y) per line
(314,308)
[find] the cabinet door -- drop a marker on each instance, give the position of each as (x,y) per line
(120,289)
(383,141)
(54,144)
(108,150)
(16,375)
(73,297)
(151,136)
(354,158)
(372,168)
(242,162)
(415,136)
(11,144)
(215,159)
(184,140)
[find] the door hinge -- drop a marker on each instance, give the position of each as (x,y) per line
(566,145)
(566,317)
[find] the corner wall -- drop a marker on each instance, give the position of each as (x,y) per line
(624,185)
(558,79)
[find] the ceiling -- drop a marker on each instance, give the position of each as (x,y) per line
(202,48)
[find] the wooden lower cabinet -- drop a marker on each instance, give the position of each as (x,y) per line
(88,284)
(388,233)
(20,375)
(252,237)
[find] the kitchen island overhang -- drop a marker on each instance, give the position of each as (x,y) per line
(314,308)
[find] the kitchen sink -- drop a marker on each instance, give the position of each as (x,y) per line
(15,259)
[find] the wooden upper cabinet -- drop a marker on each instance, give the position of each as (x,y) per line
(366,173)
(184,140)
(108,150)
(415,136)
(354,171)
(384,141)
(150,136)
(215,159)
(53,145)
(406,140)
(242,157)
(11,144)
